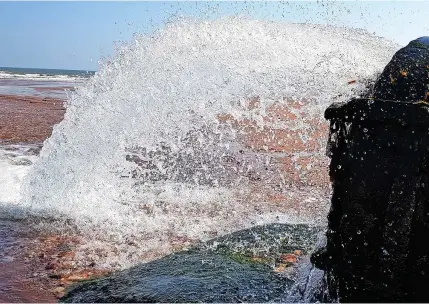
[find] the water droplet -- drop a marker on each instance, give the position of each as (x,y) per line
(339,166)
(358,232)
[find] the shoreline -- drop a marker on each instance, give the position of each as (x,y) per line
(24,258)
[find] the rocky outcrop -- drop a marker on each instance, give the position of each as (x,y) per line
(379,169)
(378,221)
(406,77)
(254,265)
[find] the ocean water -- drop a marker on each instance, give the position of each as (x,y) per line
(54,88)
(142,161)
(43,74)
(41,82)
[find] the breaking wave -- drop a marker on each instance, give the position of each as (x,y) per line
(199,129)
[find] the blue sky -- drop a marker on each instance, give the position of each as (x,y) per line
(75,35)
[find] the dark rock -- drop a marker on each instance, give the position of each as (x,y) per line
(406,77)
(220,270)
(273,238)
(186,277)
(310,284)
(379,217)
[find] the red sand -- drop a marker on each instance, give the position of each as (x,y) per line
(17,287)
(35,267)
(16,270)
(28,119)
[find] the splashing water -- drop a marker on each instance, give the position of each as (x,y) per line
(200,129)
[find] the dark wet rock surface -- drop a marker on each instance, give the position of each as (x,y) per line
(253,265)
(378,223)
(379,220)
(406,77)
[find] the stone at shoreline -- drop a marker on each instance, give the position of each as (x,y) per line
(238,267)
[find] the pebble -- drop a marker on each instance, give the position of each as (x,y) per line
(59,291)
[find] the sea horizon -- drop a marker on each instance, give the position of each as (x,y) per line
(46,71)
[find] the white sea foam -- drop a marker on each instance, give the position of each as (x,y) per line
(158,101)
(15,162)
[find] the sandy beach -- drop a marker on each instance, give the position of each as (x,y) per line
(28,119)
(30,108)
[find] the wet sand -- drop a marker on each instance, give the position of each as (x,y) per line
(16,282)
(38,88)
(47,89)
(28,119)
(36,267)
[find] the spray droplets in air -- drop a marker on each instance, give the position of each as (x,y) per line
(201,128)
